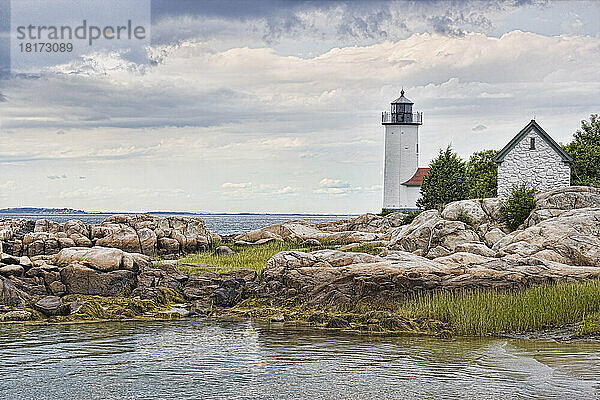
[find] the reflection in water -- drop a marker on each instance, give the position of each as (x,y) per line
(206,358)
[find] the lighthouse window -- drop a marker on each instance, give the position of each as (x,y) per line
(532,143)
(417,147)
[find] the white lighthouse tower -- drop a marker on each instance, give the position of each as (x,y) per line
(402,175)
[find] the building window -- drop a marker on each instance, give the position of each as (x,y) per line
(532,143)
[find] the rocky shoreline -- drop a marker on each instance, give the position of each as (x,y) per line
(126,266)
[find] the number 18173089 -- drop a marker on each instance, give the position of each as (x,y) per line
(46,47)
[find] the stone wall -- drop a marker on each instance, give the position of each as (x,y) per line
(541,168)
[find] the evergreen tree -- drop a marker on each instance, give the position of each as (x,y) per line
(445,182)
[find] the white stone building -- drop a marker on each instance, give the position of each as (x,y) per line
(402,175)
(533,158)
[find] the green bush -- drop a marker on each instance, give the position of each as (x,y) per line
(445,182)
(385,211)
(409,216)
(518,206)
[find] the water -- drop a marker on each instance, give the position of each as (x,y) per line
(200,358)
(223,224)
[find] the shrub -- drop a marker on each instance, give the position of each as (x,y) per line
(482,174)
(409,216)
(518,206)
(463,216)
(445,182)
(385,211)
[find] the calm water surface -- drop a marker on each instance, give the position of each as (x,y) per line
(199,358)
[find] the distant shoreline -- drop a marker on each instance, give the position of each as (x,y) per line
(69,211)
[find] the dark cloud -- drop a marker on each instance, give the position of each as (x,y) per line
(369,26)
(479,128)
(273,20)
(457,24)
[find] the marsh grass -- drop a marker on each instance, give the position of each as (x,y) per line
(486,311)
(251,257)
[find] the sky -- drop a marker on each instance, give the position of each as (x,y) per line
(275,106)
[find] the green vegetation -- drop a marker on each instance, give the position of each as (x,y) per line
(369,248)
(482,174)
(409,216)
(94,308)
(480,312)
(585,151)
(251,257)
(385,211)
(485,311)
(445,182)
(463,216)
(518,206)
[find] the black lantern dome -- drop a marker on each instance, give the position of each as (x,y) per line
(401,112)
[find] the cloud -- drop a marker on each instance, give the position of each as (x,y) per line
(333,183)
(242,185)
(276,190)
(334,187)
(7,185)
(53,177)
(479,128)
(219,105)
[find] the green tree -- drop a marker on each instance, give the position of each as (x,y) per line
(445,182)
(482,174)
(585,151)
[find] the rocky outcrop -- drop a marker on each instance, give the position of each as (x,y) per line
(432,236)
(10,295)
(302,231)
(80,279)
(103,259)
(364,223)
(334,277)
(77,270)
(145,234)
(572,238)
(151,235)
(553,203)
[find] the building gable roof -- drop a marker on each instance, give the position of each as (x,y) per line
(532,124)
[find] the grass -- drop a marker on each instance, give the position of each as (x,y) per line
(483,312)
(486,311)
(250,257)
(368,248)
(476,312)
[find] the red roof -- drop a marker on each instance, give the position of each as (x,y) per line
(417,178)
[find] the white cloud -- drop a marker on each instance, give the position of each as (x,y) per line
(242,185)
(333,183)
(7,185)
